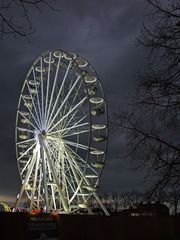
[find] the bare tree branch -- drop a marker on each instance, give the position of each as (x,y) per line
(13,10)
(153,119)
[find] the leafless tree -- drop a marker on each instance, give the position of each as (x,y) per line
(160,195)
(173,198)
(115,200)
(131,199)
(15,17)
(152,122)
(120,201)
(170,196)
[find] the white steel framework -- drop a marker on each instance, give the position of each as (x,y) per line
(61,134)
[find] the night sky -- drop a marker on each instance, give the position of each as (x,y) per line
(104,33)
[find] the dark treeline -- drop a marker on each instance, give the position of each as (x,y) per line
(117,202)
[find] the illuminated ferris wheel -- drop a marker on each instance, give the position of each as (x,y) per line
(61,133)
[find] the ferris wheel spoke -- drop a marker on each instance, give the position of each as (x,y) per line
(52,152)
(81,175)
(76,133)
(29,161)
(67,123)
(69,182)
(47,88)
(63,113)
(56,147)
(59,93)
(69,128)
(26,141)
(26,151)
(74,108)
(37,95)
(73,180)
(69,157)
(77,92)
(76,125)
(31,115)
(28,121)
(73,164)
(72,103)
(75,154)
(92,169)
(25,130)
(42,93)
(33,104)
(81,159)
(50,121)
(74,144)
(52,92)
(77,179)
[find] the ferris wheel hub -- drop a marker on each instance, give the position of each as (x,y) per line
(43,133)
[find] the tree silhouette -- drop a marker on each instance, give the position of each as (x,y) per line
(15,16)
(173,198)
(152,121)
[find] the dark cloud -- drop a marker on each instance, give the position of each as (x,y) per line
(101,31)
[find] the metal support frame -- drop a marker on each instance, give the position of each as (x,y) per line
(56,112)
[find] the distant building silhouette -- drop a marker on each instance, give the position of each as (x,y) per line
(147,209)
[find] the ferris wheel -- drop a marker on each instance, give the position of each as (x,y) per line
(61,133)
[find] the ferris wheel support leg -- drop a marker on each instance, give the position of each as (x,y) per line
(44,174)
(53,197)
(63,179)
(101,204)
(24,184)
(34,185)
(52,188)
(63,200)
(90,211)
